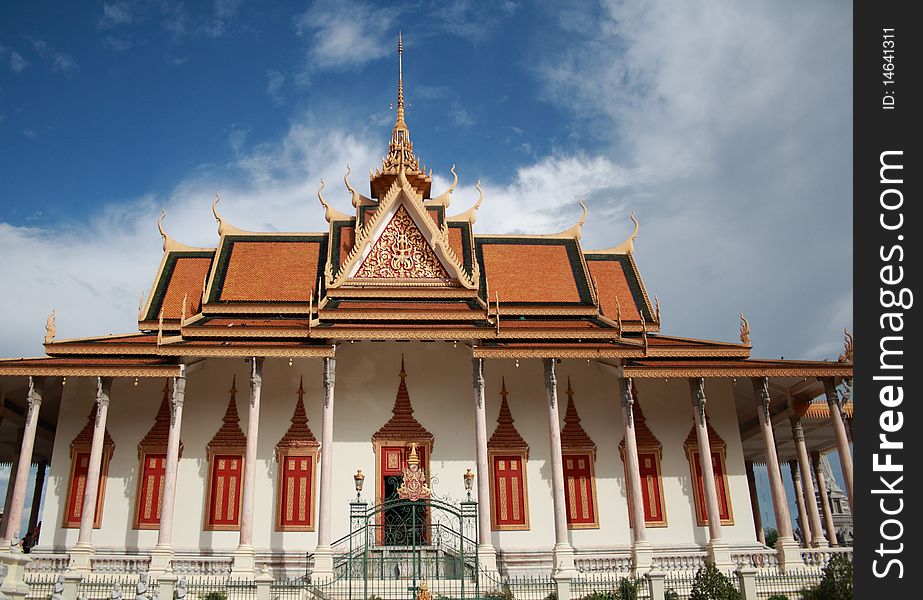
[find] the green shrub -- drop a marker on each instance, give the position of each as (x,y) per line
(777,597)
(837,581)
(627,590)
(670,595)
(215,596)
(771,537)
(712,584)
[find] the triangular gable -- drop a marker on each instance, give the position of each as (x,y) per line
(404,243)
(402,252)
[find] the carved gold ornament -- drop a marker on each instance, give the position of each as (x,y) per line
(401,252)
(414,486)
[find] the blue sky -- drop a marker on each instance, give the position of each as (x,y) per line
(726,126)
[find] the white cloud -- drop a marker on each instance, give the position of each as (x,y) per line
(116,14)
(744,176)
(344,35)
(17,62)
(274,82)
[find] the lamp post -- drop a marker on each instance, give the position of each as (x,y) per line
(359,479)
(469,481)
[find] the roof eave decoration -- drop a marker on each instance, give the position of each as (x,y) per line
(471,214)
(330,213)
(171,245)
(357,198)
(403,194)
(745,331)
(445,198)
(847,355)
(626,247)
(575,231)
(225,228)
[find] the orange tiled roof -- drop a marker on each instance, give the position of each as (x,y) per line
(529,273)
(613,290)
(506,436)
(403,425)
(456,243)
(229,435)
(347,241)
(299,435)
(271,271)
(187,280)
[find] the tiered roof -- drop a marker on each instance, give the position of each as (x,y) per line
(400,267)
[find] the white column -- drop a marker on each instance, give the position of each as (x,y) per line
(755,503)
(563,551)
(323,554)
(824,498)
(799,502)
(842,441)
(641,550)
(82,552)
(786,547)
(162,554)
(717,547)
(244,557)
(487,555)
(17,501)
(804,464)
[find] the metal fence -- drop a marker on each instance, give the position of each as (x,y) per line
(678,586)
(610,588)
(521,587)
(229,589)
(791,585)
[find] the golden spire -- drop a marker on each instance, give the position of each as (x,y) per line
(400,155)
(400,81)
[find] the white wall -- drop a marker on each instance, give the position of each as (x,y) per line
(439,383)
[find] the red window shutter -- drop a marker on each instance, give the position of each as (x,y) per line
(719,484)
(578,489)
(224,508)
(509,497)
(77,491)
(153,471)
(296,490)
(650,487)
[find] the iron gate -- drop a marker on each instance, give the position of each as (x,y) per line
(395,548)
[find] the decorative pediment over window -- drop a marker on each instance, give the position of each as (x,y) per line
(84,439)
(157,436)
(573,437)
(644,437)
(714,440)
(403,426)
(506,436)
(718,451)
(299,435)
(229,435)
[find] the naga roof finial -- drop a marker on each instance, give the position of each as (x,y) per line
(50,328)
(445,198)
(744,330)
(847,355)
(626,247)
(470,215)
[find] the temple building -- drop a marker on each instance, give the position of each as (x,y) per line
(286,390)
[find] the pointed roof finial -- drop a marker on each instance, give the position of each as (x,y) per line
(400,78)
